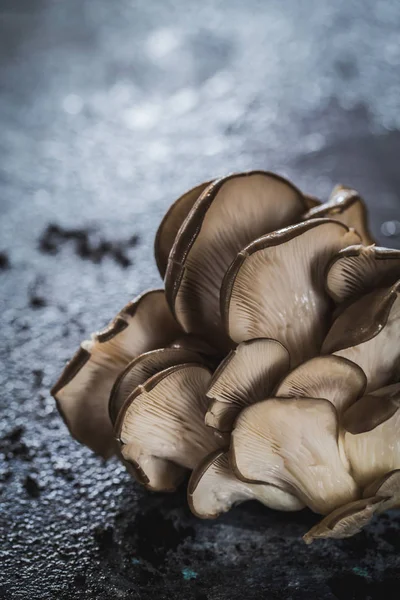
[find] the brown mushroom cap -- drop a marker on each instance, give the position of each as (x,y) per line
(345,521)
(275,287)
(357,270)
(374,451)
(229,214)
(367,333)
(372,410)
(345,205)
(213,489)
(292,443)
(330,377)
(387,488)
(162,423)
(311,201)
(83,390)
(171,224)
(142,368)
(247,375)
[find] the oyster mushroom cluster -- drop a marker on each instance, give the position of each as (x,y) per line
(269,367)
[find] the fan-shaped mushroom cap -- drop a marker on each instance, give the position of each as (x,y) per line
(230,213)
(84,387)
(247,375)
(292,443)
(142,368)
(213,489)
(162,423)
(357,270)
(372,441)
(330,377)
(367,332)
(345,205)
(387,488)
(171,224)
(345,521)
(275,287)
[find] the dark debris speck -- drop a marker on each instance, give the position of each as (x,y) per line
(87,243)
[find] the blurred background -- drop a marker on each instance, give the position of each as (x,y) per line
(109,110)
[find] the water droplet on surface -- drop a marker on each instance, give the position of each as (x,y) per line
(162,42)
(72,104)
(142,117)
(390,228)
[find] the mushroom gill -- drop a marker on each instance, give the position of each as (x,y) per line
(293,443)
(83,389)
(230,213)
(213,489)
(248,374)
(275,287)
(162,424)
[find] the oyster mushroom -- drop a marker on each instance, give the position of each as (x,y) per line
(387,488)
(333,378)
(171,224)
(346,520)
(161,426)
(345,205)
(292,443)
(275,287)
(213,489)
(372,441)
(248,374)
(83,390)
(229,214)
(367,333)
(142,368)
(357,270)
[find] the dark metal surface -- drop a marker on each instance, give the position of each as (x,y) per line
(108,111)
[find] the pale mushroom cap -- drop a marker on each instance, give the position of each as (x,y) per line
(142,368)
(247,375)
(345,205)
(367,332)
(275,287)
(214,489)
(293,443)
(376,451)
(387,488)
(330,377)
(359,269)
(171,224)
(345,521)
(232,212)
(83,390)
(164,419)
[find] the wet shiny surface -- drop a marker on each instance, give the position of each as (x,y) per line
(108,111)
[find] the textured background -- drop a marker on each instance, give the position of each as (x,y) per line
(108,111)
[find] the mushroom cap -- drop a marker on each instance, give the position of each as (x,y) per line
(345,205)
(229,214)
(275,287)
(213,489)
(330,377)
(367,333)
(248,374)
(171,223)
(162,422)
(345,521)
(387,488)
(84,387)
(374,448)
(142,368)
(357,270)
(292,443)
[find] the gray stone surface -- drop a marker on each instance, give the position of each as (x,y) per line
(108,111)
